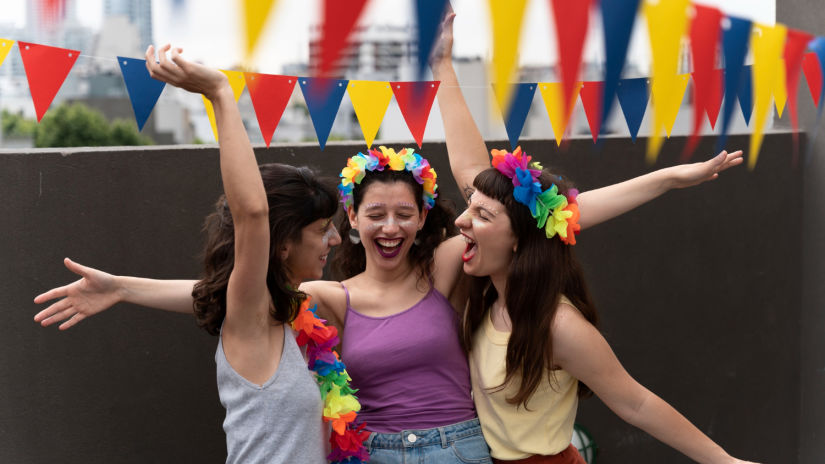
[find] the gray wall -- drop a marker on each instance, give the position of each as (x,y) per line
(699,294)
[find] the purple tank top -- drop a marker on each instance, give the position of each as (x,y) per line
(409,368)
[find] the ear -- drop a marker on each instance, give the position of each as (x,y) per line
(353,218)
(284,251)
(422,217)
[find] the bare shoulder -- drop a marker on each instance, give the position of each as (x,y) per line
(330,298)
(447,264)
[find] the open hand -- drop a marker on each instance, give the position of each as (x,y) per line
(96,291)
(687,175)
(443,50)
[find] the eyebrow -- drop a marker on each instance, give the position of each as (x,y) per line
(375,205)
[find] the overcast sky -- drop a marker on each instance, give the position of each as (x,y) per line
(209,29)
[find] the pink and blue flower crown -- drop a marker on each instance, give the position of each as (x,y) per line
(555,213)
(376,160)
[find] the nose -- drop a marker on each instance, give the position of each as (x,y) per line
(391,226)
(463,220)
(335,239)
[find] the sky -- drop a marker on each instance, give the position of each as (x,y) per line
(209,30)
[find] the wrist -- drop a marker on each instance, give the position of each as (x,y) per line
(120,290)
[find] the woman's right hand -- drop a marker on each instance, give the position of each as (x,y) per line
(185,74)
(96,291)
(442,53)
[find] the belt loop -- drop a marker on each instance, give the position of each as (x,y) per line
(368,442)
(443,437)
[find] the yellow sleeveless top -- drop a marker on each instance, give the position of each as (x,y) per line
(545,427)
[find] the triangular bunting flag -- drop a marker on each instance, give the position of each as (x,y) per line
(735,44)
(780,88)
(768,45)
(818,47)
(551,93)
(370,100)
(237,82)
(415,100)
(795,46)
(429,14)
(667,105)
(46,69)
(506,17)
(745,93)
(813,75)
(633,97)
(592,97)
(705,29)
(515,116)
(618,17)
(323,97)
(255,13)
(339,20)
(5,48)
(143,90)
(270,95)
(571,20)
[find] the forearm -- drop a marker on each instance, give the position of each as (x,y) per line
(465,145)
(168,295)
(666,424)
(600,205)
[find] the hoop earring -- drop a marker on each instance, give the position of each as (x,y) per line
(354,236)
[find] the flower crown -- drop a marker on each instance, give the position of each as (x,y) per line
(556,213)
(375,160)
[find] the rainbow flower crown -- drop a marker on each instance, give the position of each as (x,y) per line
(556,213)
(405,160)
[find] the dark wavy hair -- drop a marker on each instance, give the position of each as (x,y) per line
(350,259)
(542,270)
(296,199)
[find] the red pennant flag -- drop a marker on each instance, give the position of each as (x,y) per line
(591,94)
(813,74)
(269,94)
(415,99)
(705,29)
(339,20)
(795,45)
(571,28)
(46,69)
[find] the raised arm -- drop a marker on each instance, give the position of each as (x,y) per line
(582,351)
(97,291)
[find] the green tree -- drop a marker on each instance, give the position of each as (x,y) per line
(77,125)
(15,125)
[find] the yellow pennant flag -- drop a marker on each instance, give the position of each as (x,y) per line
(506,19)
(768,43)
(5,48)
(237,82)
(780,89)
(666,104)
(666,24)
(551,93)
(370,100)
(254,15)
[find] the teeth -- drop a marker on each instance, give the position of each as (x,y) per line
(467,239)
(324,256)
(389,243)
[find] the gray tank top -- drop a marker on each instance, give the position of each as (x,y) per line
(277,422)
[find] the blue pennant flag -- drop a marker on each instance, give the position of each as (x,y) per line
(817,45)
(143,90)
(746,93)
(429,13)
(618,17)
(735,44)
(323,97)
(633,97)
(517,114)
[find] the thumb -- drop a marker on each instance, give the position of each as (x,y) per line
(78,269)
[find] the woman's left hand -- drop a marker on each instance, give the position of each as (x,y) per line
(185,74)
(688,175)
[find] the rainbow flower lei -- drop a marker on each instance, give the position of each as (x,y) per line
(556,213)
(405,160)
(340,403)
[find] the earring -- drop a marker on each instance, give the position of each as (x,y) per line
(354,236)
(417,240)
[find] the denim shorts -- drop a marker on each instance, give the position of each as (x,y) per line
(460,443)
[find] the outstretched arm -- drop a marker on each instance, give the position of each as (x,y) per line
(582,351)
(605,203)
(97,291)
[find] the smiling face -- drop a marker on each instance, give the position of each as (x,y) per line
(387,220)
(306,258)
(490,239)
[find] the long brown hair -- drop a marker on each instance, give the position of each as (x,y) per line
(350,259)
(296,199)
(542,270)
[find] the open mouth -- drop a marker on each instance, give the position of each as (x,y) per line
(471,249)
(388,248)
(324,258)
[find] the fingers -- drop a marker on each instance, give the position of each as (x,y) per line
(71,322)
(47,316)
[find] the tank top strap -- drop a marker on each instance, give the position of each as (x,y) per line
(346,292)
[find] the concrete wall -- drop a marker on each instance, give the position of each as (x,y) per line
(700,295)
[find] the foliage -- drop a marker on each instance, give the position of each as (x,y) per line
(76,125)
(15,125)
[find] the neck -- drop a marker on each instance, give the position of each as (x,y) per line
(387,277)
